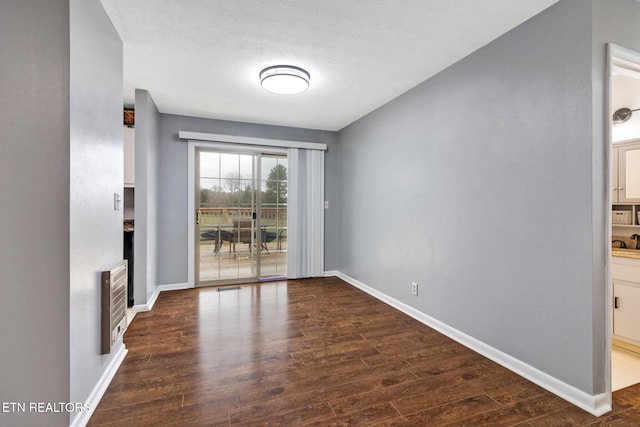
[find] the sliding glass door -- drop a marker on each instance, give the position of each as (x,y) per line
(241,217)
(273,205)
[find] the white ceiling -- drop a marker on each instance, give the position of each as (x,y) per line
(202,57)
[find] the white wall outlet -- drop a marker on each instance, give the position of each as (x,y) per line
(414,288)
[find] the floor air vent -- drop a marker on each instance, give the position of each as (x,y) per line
(234,288)
(114,305)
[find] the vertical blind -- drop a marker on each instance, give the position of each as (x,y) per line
(305,223)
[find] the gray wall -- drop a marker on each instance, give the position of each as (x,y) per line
(147,143)
(477,184)
(61,162)
(34,219)
(96,167)
(172,214)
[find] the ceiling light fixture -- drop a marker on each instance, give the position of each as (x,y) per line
(284,79)
(622,115)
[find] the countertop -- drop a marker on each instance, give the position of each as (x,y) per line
(626,253)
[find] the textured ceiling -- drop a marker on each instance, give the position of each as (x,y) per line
(202,57)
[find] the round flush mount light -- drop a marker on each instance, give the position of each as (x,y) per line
(284,79)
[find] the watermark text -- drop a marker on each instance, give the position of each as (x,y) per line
(44,407)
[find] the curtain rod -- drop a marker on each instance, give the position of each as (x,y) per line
(247,140)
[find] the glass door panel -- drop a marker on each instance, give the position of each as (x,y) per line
(241,217)
(273,216)
(224,223)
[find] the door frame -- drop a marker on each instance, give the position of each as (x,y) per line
(257,152)
(618,58)
(256,255)
(199,139)
(209,140)
(256,208)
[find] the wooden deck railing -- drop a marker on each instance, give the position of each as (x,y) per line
(228,215)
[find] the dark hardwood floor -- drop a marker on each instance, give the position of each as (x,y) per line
(316,352)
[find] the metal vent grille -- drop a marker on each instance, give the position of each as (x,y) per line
(114,305)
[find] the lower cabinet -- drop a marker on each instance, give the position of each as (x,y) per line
(626,312)
(626,300)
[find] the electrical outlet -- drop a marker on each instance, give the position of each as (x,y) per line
(414,288)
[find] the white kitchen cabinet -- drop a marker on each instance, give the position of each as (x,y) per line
(625,172)
(626,312)
(625,274)
(129,157)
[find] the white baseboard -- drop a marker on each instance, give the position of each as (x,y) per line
(596,405)
(154,296)
(141,308)
(163,288)
(174,287)
(82,418)
(98,391)
(331,273)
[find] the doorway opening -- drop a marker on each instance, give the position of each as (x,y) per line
(624,96)
(241,216)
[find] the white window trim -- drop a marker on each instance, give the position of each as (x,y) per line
(247,140)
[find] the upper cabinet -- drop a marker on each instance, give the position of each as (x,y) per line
(129,157)
(625,177)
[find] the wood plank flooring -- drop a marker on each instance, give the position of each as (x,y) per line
(316,352)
